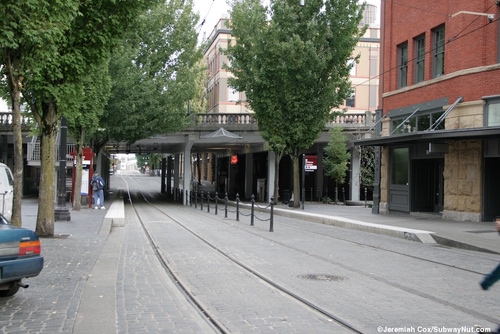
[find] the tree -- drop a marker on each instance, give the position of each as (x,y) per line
(83,113)
(293,63)
(336,157)
(96,27)
(154,72)
(28,32)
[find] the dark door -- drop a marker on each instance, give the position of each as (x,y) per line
(427,185)
(491,189)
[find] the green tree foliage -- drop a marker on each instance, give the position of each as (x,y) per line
(154,72)
(77,50)
(29,31)
(336,157)
(292,62)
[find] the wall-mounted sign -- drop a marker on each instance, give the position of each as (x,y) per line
(311,163)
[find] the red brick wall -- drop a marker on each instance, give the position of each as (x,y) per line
(471,41)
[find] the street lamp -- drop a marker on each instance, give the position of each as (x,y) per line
(302,2)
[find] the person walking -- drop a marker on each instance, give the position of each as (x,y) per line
(98,184)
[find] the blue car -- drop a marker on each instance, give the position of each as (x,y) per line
(20,257)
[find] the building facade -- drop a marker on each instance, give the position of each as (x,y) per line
(438,134)
(222,99)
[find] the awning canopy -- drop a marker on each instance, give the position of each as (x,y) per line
(221,132)
(431,136)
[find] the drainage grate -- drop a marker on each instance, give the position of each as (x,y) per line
(323,277)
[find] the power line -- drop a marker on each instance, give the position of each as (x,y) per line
(453,39)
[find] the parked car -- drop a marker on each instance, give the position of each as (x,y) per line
(20,257)
(6,190)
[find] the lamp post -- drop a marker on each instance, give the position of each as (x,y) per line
(61,211)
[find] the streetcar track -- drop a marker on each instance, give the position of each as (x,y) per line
(253,272)
(371,275)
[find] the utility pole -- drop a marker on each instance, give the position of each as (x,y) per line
(61,211)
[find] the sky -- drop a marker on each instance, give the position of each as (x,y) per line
(213,10)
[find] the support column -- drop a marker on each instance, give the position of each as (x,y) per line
(355,170)
(187,168)
(176,172)
(163,176)
(271,168)
(248,175)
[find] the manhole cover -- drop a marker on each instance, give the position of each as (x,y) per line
(323,277)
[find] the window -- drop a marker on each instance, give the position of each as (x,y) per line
(399,166)
(419,122)
(233,95)
(492,109)
(352,69)
(419,58)
(438,52)
(402,65)
(351,100)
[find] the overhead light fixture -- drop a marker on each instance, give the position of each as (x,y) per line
(490,16)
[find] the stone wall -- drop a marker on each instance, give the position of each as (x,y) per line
(463,180)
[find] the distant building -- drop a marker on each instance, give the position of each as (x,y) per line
(439,129)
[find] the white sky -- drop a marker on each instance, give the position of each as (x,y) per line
(213,10)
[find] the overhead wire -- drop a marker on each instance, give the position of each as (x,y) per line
(200,26)
(456,37)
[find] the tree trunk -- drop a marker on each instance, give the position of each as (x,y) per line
(46,203)
(15,86)
(296,180)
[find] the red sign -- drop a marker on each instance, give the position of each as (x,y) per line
(311,163)
(234,159)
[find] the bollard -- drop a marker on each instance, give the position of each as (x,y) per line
(187,197)
(201,200)
(237,207)
(216,202)
(343,195)
(366,194)
(251,216)
(326,192)
(191,199)
(225,206)
(271,220)
(311,194)
(195,199)
(319,195)
(208,201)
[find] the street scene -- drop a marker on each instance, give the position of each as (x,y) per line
(168,268)
(249,166)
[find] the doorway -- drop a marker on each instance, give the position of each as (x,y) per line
(491,189)
(427,185)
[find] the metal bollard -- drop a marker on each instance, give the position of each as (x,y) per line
(237,207)
(187,197)
(253,204)
(271,220)
(366,195)
(311,194)
(343,195)
(208,201)
(216,202)
(191,199)
(195,199)
(201,200)
(319,196)
(225,206)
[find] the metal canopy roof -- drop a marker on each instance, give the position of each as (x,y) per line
(432,136)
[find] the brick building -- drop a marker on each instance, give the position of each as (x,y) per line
(438,135)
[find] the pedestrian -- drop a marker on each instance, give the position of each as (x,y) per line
(494,276)
(97,184)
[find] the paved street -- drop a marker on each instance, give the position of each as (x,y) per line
(99,278)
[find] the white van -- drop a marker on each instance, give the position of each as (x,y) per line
(6,191)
